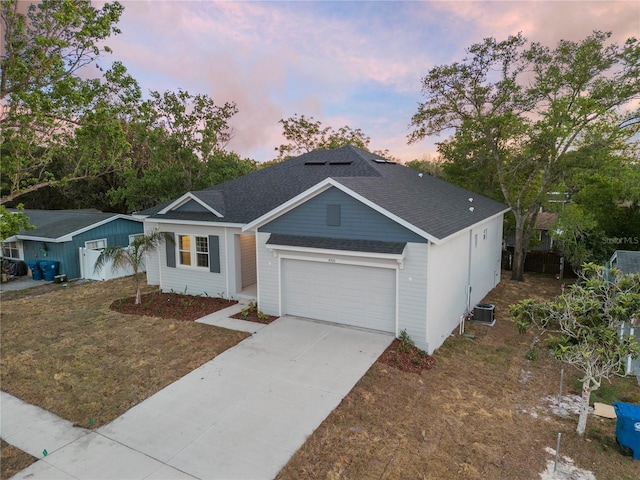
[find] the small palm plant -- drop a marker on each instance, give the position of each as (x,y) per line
(133,256)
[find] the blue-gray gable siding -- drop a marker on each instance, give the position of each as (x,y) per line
(357,221)
(191,206)
(116,232)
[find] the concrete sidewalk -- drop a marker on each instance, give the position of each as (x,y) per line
(240,416)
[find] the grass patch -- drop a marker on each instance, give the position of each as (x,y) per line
(13,460)
(619,389)
(67,352)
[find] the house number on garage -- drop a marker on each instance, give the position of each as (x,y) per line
(331,260)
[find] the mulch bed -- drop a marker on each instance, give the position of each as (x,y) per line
(412,361)
(173,306)
(252,316)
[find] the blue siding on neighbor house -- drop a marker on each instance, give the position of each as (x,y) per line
(357,221)
(116,232)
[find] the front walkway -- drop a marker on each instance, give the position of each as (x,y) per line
(240,416)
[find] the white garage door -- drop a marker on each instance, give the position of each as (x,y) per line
(348,294)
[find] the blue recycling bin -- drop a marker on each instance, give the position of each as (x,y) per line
(628,426)
(43,267)
(36,273)
(49,269)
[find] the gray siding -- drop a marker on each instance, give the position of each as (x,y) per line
(412,294)
(116,232)
(357,221)
(191,206)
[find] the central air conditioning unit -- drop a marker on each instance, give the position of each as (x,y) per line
(485,314)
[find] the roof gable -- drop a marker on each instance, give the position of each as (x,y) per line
(190,201)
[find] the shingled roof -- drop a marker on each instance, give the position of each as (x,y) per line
(432,205)
(58,225)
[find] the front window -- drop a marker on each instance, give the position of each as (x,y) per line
(193,250)
(96,244)
(11,249)
(202,251)
(132,238)
(184,247)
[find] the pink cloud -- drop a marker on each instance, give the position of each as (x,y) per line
(546,21)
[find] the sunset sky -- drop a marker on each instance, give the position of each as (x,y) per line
(344,63)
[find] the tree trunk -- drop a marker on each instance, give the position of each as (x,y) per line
(517,267)
(138,294)
(584,407)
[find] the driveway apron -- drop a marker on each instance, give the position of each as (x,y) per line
(240,416)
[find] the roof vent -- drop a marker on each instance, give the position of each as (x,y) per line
(344,162)
(315,162)
(382,160)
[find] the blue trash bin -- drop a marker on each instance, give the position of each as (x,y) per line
(50,270)
(628,426)
(36,272)
(43,267)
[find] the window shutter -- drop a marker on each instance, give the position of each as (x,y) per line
(214,253)
(171,251)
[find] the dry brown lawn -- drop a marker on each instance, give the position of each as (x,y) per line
(13,460)
(64,350)
(478,414)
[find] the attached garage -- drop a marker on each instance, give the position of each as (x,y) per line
(356,295)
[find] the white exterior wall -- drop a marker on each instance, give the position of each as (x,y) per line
(228,267)
(453,267)
(446,288)
(485,259)
(412,294)
(152,262)
(268,268)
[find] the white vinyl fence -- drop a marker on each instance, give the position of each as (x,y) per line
(88,259)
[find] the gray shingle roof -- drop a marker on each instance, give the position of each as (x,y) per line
(372,246)
(54,224)
(436,207)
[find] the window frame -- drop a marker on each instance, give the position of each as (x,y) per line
(96,241)
(195,254)
(133,236)
(11,247)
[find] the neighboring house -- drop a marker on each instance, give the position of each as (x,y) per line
(340,235)
(544,222)
(628,261)
(61,234)
(541,239)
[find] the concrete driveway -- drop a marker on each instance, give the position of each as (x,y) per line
(240,416)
